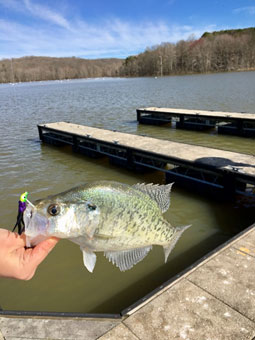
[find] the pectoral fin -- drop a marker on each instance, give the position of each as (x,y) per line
(169,247)
(126,259)
(89,259)
(90,231)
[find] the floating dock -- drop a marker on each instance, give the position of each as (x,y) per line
(206,169)
(214,299)
(232,123)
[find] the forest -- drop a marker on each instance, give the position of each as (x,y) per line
(221,51)
(47,68)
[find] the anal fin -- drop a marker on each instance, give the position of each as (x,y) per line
(126,259)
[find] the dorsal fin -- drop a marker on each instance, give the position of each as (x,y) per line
(126,259)
(159,193)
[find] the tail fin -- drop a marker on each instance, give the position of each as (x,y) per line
(169,247)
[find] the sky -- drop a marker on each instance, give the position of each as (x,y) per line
(111,28)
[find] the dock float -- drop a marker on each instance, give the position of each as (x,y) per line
(196,167)
(232,123)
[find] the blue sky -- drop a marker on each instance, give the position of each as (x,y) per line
(111,28)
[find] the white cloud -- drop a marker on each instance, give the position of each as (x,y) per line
(29,8)
(45,13)
(248,10)
(111,38)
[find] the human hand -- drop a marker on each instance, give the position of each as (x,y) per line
(19,262)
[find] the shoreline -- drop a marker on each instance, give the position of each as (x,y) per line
(131,77)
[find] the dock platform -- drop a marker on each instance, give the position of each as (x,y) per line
(232,123)
(208,169)
(213,300)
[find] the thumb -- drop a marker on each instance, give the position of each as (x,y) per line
(40,251)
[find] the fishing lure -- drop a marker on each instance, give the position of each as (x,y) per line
(22,207)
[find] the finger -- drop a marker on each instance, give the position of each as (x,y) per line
(39,253)
(13,240)
(18,240)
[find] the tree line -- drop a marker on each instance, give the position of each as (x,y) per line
(229,50)
(47,68)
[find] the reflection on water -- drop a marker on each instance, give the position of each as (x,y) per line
(61,282)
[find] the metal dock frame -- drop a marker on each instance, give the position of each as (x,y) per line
(230,123)
(205,177)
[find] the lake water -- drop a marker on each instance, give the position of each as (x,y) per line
(62,283)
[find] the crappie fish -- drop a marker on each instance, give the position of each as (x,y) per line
(121,220)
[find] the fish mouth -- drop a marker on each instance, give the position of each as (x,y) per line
(36,226)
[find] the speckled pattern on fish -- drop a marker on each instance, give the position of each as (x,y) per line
(121,220)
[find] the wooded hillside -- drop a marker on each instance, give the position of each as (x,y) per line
(229,50)
(46,68)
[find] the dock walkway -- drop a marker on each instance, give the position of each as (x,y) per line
(236,123)
(213,301)
(212,169)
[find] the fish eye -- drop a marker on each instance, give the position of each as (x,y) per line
(53,209)
(92,206)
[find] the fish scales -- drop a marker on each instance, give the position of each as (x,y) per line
(122,221)
(123,209)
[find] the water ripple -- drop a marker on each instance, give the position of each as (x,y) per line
(26,165)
